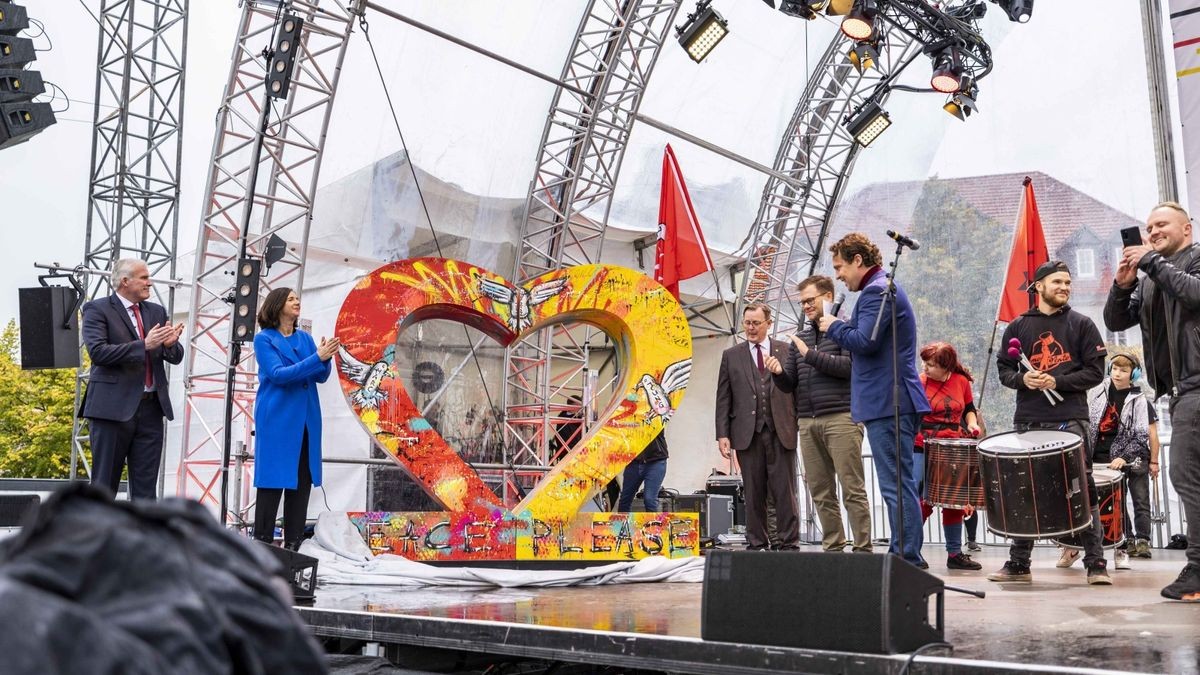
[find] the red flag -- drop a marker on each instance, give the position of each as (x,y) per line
(681,252)
(1028,253)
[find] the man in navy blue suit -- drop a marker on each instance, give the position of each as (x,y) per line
(857,263)
(128,339)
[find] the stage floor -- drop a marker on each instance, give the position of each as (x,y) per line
(1057,622)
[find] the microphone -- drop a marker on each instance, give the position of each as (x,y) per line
(903,240)
(837,304)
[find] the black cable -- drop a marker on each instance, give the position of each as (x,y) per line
(362,23)
(923,648)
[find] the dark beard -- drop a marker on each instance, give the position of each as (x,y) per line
(1053,301)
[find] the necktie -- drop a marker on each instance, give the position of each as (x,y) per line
(137,314)
(758,350)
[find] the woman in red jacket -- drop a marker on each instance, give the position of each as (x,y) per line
(948,388)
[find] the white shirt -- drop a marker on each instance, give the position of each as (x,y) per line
(766,349)
(134,320)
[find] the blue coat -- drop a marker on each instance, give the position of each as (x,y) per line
(871,365)
(286,403)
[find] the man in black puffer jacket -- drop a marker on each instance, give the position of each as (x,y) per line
(818,370)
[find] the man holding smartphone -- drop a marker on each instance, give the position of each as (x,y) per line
(1166,303)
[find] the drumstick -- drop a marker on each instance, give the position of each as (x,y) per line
(1013,352)
(1015,343)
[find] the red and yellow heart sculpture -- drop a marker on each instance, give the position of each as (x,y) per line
(647,327)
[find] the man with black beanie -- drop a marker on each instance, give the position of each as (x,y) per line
(1067,353)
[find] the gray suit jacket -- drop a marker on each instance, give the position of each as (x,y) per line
(737,398)
(117,378)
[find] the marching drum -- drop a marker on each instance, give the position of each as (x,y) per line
(952,478)
(1034,484)
(1110,485)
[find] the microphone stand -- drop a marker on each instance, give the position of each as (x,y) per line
(889,298)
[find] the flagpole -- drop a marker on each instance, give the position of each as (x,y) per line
(1000,301)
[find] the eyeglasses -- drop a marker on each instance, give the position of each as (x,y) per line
(752,323)
(805,302)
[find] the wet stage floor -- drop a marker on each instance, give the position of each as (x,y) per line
(1057,621)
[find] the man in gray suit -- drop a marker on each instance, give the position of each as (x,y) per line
(128,340)
(758,420)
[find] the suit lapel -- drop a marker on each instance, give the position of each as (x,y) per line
(284,347)
(119,308)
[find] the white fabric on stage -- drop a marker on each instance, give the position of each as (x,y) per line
(345,559)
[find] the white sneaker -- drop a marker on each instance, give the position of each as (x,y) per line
(1068,557)
(1122,559)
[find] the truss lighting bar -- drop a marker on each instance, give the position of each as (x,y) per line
(868,123)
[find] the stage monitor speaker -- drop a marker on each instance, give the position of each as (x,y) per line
(45,341)
(299,570)
(850,602)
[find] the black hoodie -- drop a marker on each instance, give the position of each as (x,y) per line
(1068,346)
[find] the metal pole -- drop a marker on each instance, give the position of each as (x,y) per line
(1160,102)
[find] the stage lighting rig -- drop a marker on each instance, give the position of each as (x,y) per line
(962,103)
(702,31)
(947,70)
(801,9)
(867,122)
(864,55)
(1017,10)
(859,24)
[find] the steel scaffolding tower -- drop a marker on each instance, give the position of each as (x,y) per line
(136,150)
(612,57)
(282,205)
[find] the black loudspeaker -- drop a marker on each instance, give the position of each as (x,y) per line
(22,121)
(850,602)
(45,341)
(15,510)
(299,570)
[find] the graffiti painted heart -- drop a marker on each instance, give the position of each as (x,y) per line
(644,322)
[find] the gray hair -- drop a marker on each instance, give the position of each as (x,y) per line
(123,269)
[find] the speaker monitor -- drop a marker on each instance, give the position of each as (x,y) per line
(45,341)
(852,602)
(299,571)
(716,512)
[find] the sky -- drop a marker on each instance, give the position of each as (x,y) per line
(1076,109)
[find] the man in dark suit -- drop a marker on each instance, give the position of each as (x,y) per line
(758,420)
(858,264)
(128,340)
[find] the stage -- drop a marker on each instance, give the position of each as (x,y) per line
(1058,622)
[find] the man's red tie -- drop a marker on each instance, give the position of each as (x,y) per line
(758,350)
(149,379)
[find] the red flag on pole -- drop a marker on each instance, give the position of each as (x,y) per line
(1028,253)
(681,252)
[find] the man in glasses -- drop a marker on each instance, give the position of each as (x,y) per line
(817,369)
(758,420)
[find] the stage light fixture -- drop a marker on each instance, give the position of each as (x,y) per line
(867,123)
(801,9)
(283,61)
(702,31)
(962,103)
(947,71)
(864,55)
(859,23)
(1017,10)
(245,299)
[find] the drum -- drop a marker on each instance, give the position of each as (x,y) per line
(952,478)
(1034,484)
(1110,486)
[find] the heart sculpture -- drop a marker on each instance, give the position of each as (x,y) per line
(650,333)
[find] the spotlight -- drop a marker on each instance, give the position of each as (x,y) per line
(702,31)
(245,299)
(962,103)
(283,61)
(1017,10)
(859,24)
(802,9)
(868,122)
(947,71)
(864,55)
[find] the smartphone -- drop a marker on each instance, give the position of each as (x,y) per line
(1131,236)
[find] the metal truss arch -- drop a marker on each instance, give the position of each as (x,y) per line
(282,205)
(579,158)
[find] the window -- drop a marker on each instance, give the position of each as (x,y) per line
(1085,263)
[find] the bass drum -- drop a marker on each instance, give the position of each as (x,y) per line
(1034,483)
(1110,486)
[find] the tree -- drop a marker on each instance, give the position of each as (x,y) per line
(35,415)
(954,285)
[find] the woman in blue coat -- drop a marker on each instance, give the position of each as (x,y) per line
(287,416)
